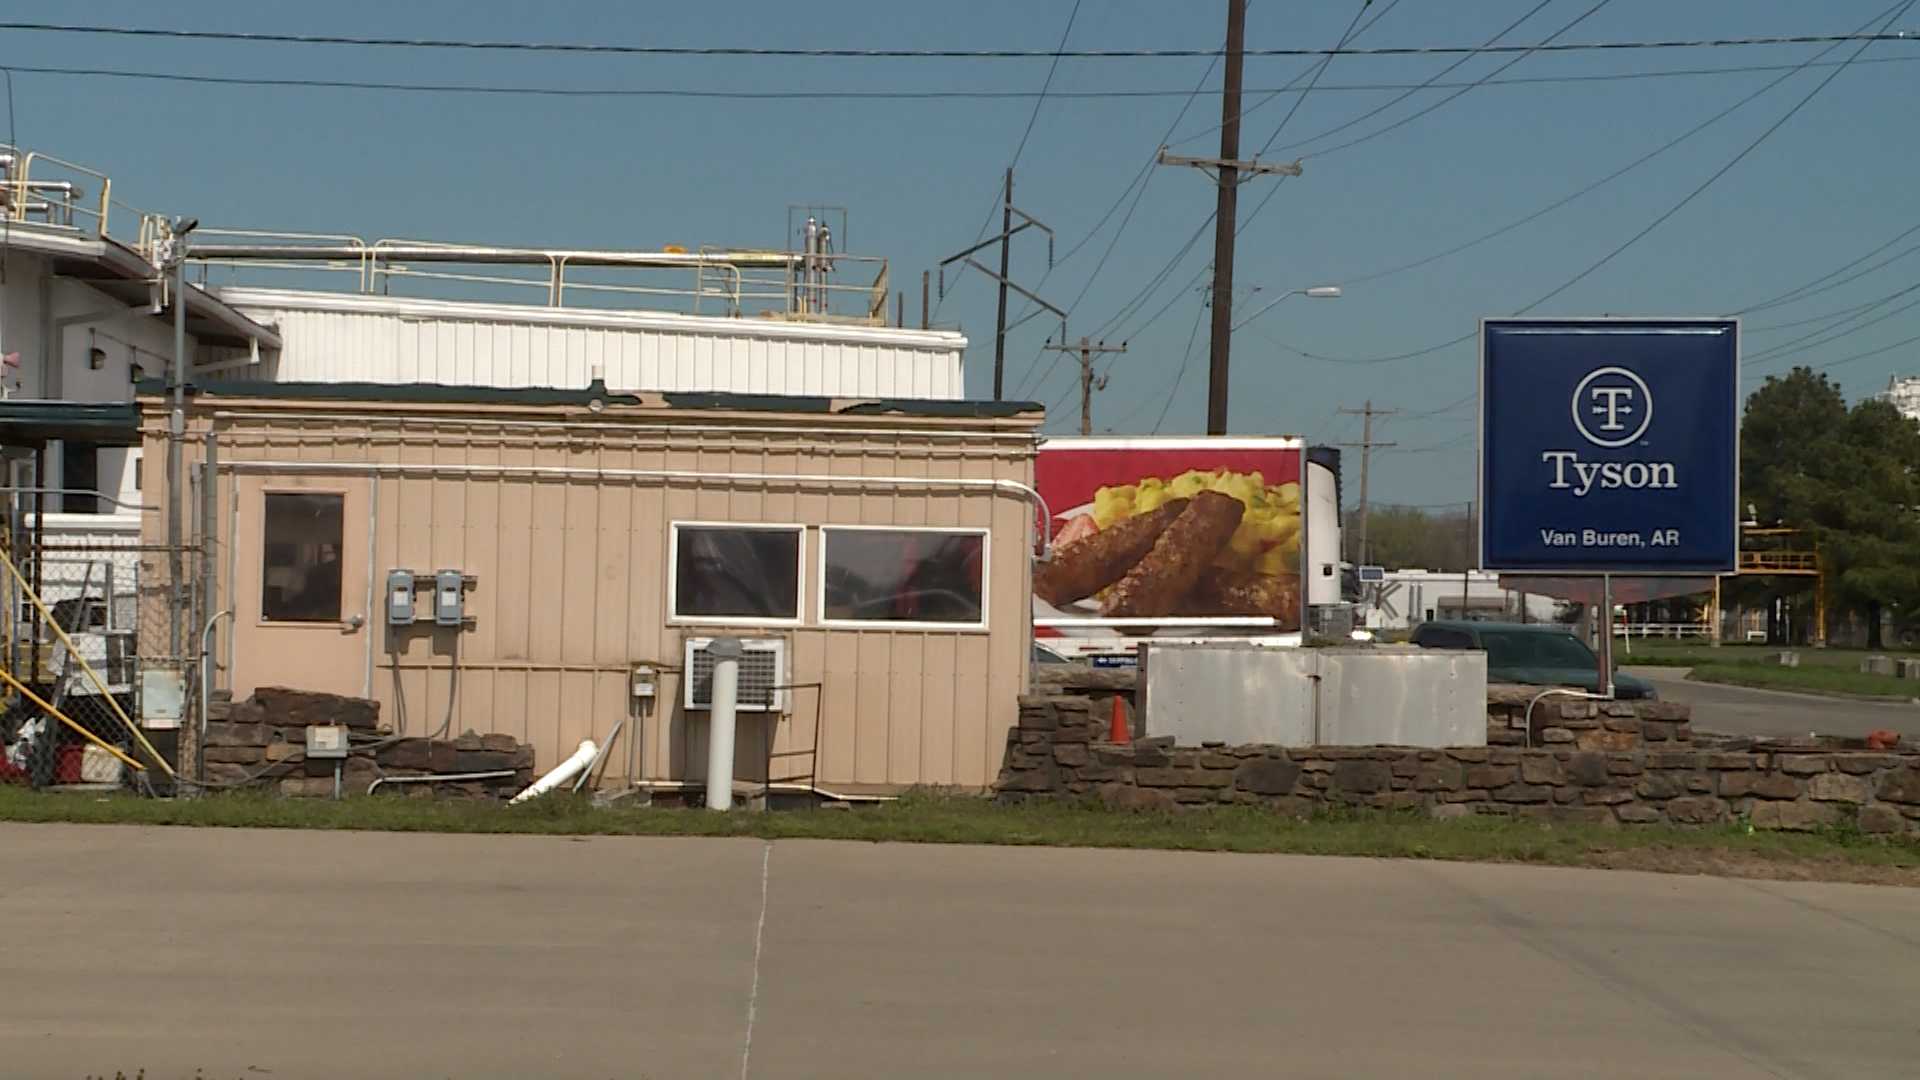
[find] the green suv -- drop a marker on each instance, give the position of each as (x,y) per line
(1532,654)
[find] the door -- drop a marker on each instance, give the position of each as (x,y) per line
(301,585)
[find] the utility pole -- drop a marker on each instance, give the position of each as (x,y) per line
(1008,229)
(1228,171)
(1088,382)
(1366,447)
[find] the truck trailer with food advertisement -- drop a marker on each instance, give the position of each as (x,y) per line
(1184,538)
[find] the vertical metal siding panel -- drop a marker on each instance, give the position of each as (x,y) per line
(583,355)
(515,594)
(704,377)
(679,503)
(413,523)
(647,614)
(812,365)
(873,726)
(406,365)
(542,362)
(547,607)
(1009,610)
(645,350)
(516,372)
(973,652)
(482,526)
(448,551)
(937,693)
(906,661)
(839,733)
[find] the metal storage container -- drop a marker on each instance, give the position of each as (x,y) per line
(1239,693)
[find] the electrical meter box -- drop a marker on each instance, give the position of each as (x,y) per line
(644,680)
(449,598)
(400,609)
(326,741)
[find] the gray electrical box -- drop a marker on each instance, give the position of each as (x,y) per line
(449,598)
(326,741)
(400,606)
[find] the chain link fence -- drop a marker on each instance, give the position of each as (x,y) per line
(105,614)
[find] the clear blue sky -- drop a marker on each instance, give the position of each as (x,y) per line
(1833,183)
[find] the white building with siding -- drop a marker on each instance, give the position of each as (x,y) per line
(344,337)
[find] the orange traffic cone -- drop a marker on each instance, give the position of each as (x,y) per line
(1118,729)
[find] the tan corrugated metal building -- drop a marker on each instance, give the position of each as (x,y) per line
(886,544)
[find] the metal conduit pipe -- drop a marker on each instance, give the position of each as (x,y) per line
(493,775)
(1043,543)
(102,496)
(662,442)
(382,250)
(783,787)
(602,427)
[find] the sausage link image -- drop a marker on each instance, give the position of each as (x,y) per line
(1233,592)
(1092,563)
(1182,554)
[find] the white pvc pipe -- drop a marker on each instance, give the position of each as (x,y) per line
(720,722)
(1043,542)
(561,773)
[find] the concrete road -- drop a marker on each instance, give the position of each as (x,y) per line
(1737,710)
(244,954)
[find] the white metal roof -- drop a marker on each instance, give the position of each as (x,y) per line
(770,329)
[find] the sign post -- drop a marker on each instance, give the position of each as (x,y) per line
(1609,446)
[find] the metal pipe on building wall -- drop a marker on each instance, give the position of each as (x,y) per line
(811,433)
(726,653)
(1042,543)
(176,434)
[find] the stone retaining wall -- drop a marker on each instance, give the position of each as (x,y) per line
(261,743)
(1560,721)
(1057,751)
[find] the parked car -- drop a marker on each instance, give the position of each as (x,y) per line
(1044,655)
(1532,654)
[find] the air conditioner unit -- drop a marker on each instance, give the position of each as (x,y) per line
(763,675)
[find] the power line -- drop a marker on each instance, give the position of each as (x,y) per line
(1828,316)
(1353,31)
(1062,53)
(1448,70)
(1272,95)
(1898,10)
(1319,70)
(1835,333)
(1141,180)
(1052,69)
(1180,372)
(1677,140)
(679,92)
(1005,201)
(1799,293)
(1890,14)
(1179,376)
(1865,355)
(1490,44)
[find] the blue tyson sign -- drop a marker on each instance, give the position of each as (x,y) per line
(1609,445)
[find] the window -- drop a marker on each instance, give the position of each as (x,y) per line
(1440,638)
(926,576)
(301,578)
(1537,649)
(736,573)
(79,471)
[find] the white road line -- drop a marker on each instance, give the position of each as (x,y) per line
(759,935)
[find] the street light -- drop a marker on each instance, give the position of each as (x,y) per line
(1318,292)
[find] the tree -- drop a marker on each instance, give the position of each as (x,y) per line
(1409,538)
(1848,479)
